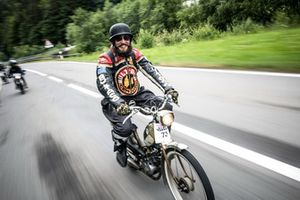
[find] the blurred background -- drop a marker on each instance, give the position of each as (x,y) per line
(213,33)
(235,63)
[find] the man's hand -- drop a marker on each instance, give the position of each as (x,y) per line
(174,95)
(123,109)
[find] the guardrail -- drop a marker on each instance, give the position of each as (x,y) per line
(59,55)
(32,58)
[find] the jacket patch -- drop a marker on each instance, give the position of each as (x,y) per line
(126,80)
(101,70)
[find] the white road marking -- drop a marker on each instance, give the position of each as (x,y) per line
(254,157)
(241,152)
(85,91)
(36,72)
(55,79)
(227,71)
(48,76)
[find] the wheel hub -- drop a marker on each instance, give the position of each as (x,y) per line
(185,184)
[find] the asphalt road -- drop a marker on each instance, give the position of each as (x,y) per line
(55,142)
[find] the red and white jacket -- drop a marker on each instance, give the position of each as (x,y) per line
(117,75)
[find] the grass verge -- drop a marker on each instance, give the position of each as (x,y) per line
(273,50)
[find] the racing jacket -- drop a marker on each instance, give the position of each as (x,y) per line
(15,69)
(117,75)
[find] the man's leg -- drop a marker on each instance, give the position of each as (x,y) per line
(149,99)
(120,134)
(120,131)
(25,83)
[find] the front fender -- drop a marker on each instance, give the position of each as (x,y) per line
(176,145)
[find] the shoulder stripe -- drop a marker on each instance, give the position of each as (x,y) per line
(138,54)
(104,59)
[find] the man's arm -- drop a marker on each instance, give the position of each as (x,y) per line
(153,74)
(106,86)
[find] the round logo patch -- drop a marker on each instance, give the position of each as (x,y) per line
(126,80)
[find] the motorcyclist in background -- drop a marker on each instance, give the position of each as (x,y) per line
(15,68)
(3,70)
(117,81)
(2,67)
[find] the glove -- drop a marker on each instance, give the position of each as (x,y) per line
(174,95)
(123,109)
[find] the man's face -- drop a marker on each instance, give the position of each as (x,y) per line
(122,42)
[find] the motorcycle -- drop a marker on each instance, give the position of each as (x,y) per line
(19,82)
(4,77)
(159,155)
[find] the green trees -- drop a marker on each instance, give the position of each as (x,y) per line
(29,22)
(224,14)
(162,15)
(87,31)
(86,23)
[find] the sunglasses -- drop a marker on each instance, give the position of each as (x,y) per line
(124,37)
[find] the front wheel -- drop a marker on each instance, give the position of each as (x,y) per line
(185,176)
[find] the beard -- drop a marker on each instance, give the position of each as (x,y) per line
(123,53)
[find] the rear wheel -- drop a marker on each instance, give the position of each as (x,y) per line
(185,176)
(22,89)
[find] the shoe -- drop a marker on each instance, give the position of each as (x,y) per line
(122,157)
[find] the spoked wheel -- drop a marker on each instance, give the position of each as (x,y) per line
(185,176)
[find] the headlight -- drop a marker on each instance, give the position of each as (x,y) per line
(166,117)
(149,134)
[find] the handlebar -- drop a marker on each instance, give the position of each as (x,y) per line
(153,109)
(148,111)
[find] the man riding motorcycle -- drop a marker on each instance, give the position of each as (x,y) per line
(15,68)
(2,67)
(4,75)
(117,81)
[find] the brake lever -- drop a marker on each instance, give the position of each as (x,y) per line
(133,112)
(169,99)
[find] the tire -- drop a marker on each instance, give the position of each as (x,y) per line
(200,188)
(22,89)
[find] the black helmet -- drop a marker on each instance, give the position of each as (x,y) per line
(119,29)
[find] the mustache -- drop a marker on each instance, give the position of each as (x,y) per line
(123,44)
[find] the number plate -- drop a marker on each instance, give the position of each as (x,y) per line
(17,75)
(162,134)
